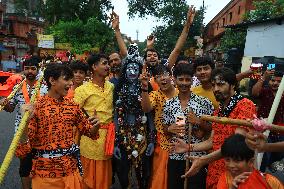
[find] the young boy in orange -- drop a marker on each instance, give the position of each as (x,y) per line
(56,158)
(240,172)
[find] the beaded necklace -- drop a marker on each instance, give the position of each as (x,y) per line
(225,112)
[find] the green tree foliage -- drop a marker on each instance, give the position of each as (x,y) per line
(174,16)
(55,10)
(68,10)
(74,15)
(265,9)
(233,38)
(82,23)
(144,7)
(83,36)
(33,8)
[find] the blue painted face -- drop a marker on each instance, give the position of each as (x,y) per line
(132,72)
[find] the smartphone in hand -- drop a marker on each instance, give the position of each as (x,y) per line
(257,70)
(271,66)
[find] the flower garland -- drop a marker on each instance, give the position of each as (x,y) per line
(225,111)
(131,136)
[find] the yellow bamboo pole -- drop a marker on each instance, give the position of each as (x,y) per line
(12,94)
(10,153)
(238,122)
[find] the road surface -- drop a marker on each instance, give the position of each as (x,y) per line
(12,179)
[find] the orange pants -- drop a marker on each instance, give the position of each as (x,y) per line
(69,182)
(97,173)
(160,171)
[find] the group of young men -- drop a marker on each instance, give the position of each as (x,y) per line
(71,141)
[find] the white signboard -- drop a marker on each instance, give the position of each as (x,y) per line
(46,41)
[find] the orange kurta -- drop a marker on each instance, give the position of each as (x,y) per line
(51,128)
(77,135)
(245,109)
(255,180)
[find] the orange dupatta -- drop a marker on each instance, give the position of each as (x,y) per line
(26,93)
(109,144)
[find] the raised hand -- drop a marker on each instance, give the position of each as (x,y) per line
(267,74)
(177,129)
(256,141)
(28,108)
(150,41)
(240,179)
(191,14)
(144,77)
(3,101)
(114,20)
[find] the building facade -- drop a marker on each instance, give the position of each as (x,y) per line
(231,14)
(17,34)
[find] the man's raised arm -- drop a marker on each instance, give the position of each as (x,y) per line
(120,41)
(182,38)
